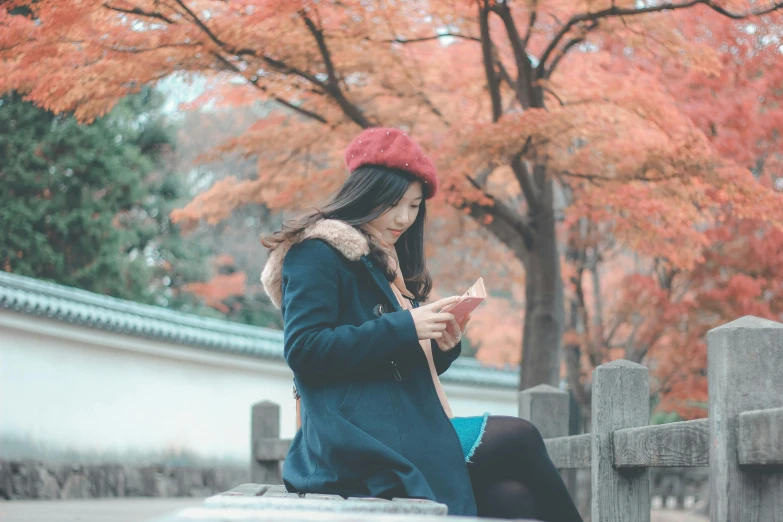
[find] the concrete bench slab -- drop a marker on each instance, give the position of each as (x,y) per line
(251,515)
(268,497)
(268,503)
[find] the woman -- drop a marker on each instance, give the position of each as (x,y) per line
(366,356)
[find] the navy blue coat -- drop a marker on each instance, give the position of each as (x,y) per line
(372,423)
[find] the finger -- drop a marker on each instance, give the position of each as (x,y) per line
(442,317)
(437,335)
(439,327)
(454,328)
(449,329)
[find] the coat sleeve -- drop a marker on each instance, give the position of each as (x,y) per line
(443,359)
(315,344)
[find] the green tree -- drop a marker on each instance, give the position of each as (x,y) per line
(88,205)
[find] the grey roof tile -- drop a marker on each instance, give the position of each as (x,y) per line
(62,303)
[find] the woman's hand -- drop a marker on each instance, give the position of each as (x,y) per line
(430,321)
(453,334)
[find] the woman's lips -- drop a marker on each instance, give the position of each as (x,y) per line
(395,232)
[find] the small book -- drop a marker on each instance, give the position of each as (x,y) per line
(468,301)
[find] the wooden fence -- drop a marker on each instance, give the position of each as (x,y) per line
(741,442)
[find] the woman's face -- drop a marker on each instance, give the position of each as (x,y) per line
(392,223)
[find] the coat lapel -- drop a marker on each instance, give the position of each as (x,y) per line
(382,283)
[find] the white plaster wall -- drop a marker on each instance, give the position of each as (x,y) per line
(476,400)
(69,387)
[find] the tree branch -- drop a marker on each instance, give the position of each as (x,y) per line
(304,112)
(539,175)
(508,226)
(525,78)
(573,351)
(201,25)
(280,66)
(408,71)
(284,68)
(574,41)
(608,340)
(739,16)
(615,11)
(332,87)
(333,84)
(556,96)
(598,298)
(140,12)
(503,73)
(638,356)
(573,362)
(140,50)
(530,24)
(594,352)
(522,173)
(430,38)
(483,175)
(493,85)
(599,178)
(332,80)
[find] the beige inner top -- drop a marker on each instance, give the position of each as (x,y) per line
(403,298)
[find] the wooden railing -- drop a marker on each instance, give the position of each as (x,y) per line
(741,441)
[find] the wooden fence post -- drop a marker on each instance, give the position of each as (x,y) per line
(621,399)
(548,408)
(745,372)
(264,423)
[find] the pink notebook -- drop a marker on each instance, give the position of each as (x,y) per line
(468,301)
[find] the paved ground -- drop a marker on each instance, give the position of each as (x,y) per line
(93,510)
(144,509)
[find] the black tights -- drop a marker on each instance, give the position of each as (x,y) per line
(513,477)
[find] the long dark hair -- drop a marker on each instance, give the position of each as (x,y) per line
(368,192)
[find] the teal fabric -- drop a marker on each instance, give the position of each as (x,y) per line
(470,430)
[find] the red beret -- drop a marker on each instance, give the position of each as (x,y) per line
(392,148)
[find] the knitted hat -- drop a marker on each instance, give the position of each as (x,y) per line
(392,148)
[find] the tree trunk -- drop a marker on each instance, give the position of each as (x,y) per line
(544,313)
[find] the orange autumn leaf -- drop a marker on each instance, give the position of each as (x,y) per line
(219,288)
(658,129)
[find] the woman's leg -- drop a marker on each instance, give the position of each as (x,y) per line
(512,449)
(505,499)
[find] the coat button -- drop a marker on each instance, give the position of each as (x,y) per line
(379,310)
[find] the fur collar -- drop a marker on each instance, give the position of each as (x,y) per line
(345,238)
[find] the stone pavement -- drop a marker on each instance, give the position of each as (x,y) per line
(143,509)
(137,509)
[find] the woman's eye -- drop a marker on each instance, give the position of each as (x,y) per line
(414,207)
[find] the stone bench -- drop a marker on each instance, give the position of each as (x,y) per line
(261,496)
(267,503)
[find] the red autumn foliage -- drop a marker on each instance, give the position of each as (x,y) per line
(640,127)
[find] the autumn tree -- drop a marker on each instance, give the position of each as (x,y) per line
(657,308)
(234,288)
(518,102)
